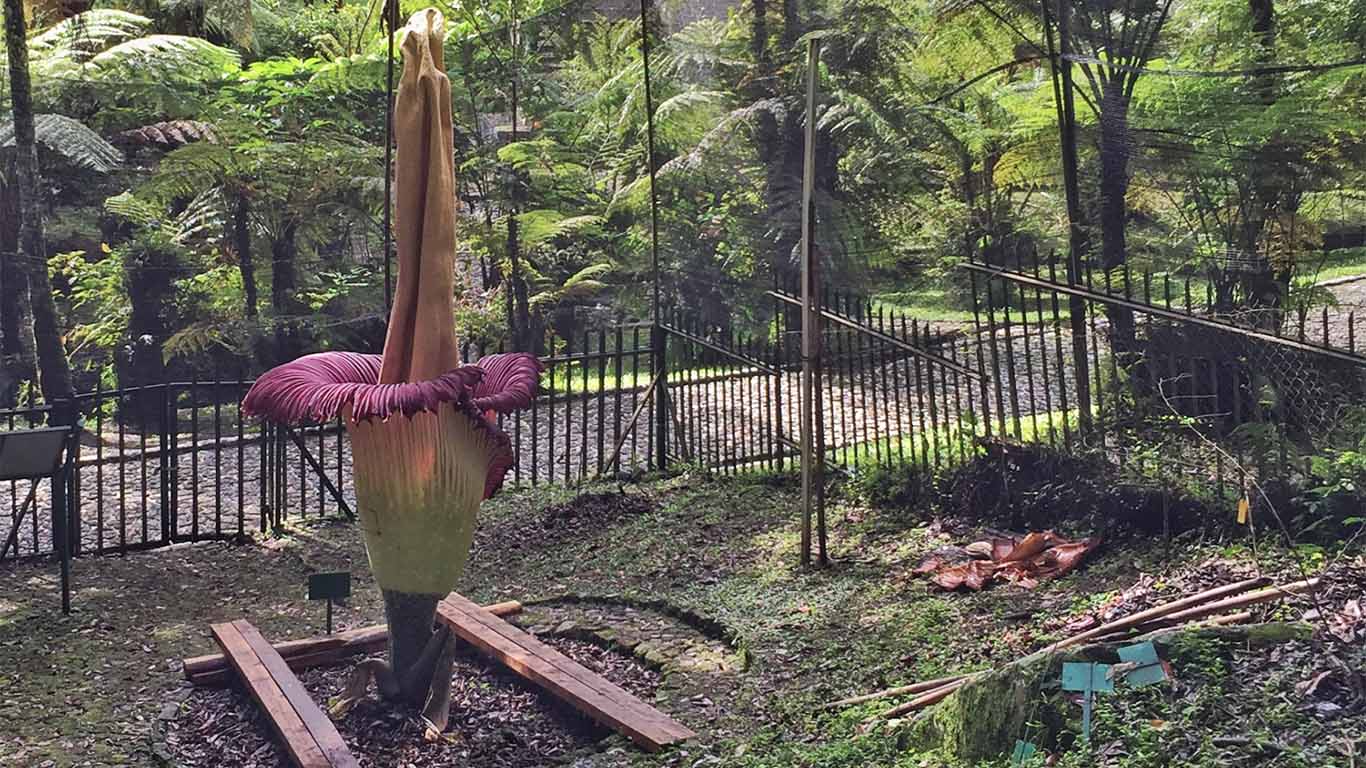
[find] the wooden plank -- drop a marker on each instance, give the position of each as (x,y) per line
(568,666)
(593,703)
(568,680)
(319,725)
(298,742)
(212,669)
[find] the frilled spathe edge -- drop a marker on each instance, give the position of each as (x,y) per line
(317,387)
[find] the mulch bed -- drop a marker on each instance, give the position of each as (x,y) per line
(497,720)
(593,509)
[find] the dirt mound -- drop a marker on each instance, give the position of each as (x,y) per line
(1034,487)
(594,509)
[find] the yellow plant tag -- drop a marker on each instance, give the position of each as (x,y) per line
(1243,507)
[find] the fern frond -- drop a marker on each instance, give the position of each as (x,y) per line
(82,36)
(134,210)
(165,57)
(71,139)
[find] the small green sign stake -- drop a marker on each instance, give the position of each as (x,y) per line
(330,587)
(1088,679)
(1147,667)
(1023,751)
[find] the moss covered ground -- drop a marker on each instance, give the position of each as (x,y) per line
(717,557)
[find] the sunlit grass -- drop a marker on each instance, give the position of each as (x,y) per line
(570,377)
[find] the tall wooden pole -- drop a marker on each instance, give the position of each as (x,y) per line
(658,339)
(812,475)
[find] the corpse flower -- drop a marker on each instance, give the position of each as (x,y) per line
(425,444)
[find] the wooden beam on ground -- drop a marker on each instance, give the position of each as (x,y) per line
(213,669)
(571,682)
(309,737)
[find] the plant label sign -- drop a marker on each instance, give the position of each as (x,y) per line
(1086,678)
(329,586)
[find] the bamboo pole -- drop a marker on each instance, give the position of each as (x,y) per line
(924,700)
(1161,611)
(1241,601)
(903,690)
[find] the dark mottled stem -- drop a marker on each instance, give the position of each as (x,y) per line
(410,617)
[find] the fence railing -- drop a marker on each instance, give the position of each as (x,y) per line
(177,462)
(1177,381)
(1117,367)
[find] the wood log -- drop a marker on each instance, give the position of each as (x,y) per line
(903,690)
(212,669)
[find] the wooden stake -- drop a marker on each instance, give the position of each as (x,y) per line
(811,465)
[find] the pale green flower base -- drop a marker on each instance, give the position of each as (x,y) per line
(419,482)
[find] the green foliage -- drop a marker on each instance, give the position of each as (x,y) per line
(70,139)
(901,489)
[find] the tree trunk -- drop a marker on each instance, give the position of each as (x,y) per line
(1264,286)
(1114,210)
(792,26)
(149,276)
(519,307)
(54,374)
(1114,173)
(758,32)
(17,357)
(241,242)
(284,288)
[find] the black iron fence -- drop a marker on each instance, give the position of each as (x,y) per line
(1149,370)
(177,462)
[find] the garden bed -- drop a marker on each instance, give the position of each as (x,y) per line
(497,720)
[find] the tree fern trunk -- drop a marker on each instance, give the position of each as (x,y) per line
(284,288)
(54,375)
(241,242)
(17,360)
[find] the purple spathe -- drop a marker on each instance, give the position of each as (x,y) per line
(318,387)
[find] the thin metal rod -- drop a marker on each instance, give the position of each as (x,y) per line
(1160,311)
(391,21)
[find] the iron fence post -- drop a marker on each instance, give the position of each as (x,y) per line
(658,340)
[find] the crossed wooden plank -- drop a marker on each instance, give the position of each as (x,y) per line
(312,741)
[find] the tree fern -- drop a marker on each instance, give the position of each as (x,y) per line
(82,36)
(164,58)
(71,139)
